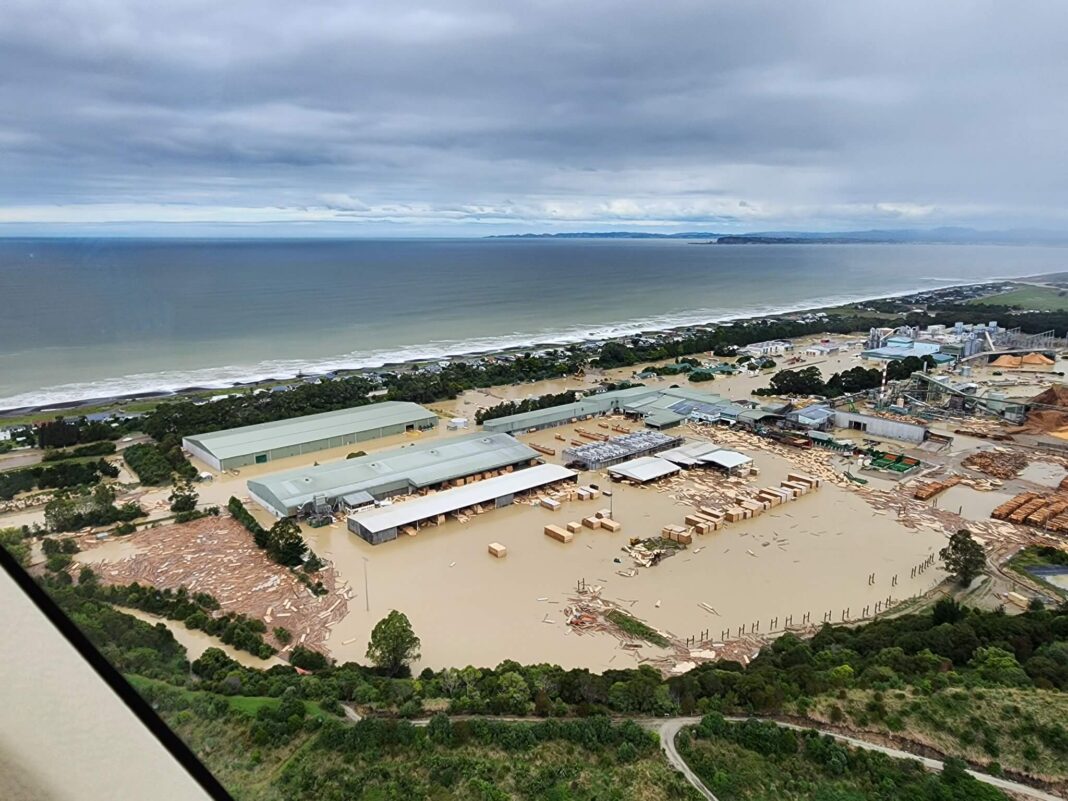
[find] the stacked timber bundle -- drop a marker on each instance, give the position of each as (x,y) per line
(1049,511)
(928,489)
(597,437)
(1025,511)
(1003,511)
(558,534)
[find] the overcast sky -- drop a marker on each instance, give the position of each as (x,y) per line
(470,118)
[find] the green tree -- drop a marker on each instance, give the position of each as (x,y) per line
(393,643)
(285,544)
(183,497)
(12,540)
(963,557)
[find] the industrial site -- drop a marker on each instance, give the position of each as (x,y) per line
(661,523)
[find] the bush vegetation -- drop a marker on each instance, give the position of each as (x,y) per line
(157,464)
(759,760)
(58,476)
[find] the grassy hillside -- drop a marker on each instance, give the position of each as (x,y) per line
(269,749)
(1020,730)
(755,761)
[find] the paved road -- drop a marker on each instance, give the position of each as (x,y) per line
(934,764)
(668,729)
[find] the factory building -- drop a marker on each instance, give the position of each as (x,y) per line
(902,429)
(266,442)
(387,522)
(657,407)
(418,467)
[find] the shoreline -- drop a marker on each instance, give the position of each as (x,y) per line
(461,355)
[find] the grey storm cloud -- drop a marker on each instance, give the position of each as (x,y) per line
(533,115)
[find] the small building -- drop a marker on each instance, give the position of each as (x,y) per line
(387,522)
(643,469)
(773,347)
(266,442)
(730,462)
(816,417)
(751,418)
(708,454)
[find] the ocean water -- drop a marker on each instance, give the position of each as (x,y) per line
(83,318)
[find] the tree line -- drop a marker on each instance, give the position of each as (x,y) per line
(157,464)
(58,476)
(282,542)
(809,380)
(506,408)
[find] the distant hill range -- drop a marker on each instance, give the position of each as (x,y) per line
(949,236)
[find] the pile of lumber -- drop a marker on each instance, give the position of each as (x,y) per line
(558,534)
(1029,508)
(997,463)
(928,489)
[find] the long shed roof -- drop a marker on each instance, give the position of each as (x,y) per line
(644,468)
(450,500)
(310,428)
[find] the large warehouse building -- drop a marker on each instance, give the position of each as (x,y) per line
(351,483)
(386,522)
(265,442)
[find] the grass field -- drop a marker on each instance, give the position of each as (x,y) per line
(1028,297)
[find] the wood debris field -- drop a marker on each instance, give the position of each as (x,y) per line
(217,555)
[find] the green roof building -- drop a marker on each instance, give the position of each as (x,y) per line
(430,464)
(265,442)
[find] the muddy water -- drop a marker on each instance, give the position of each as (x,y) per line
(970,503)
(1045,474)
(114,550)
(197,642)
(813,555)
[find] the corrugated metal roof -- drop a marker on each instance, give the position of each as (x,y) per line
(663,417)
(644,468)
(689,453)
(286,433)
(727,459)
(440,503)
(633,399)
(421,464)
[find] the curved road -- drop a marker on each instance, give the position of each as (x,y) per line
(668,729)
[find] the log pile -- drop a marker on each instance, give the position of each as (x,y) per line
(217,555)
(997,462)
